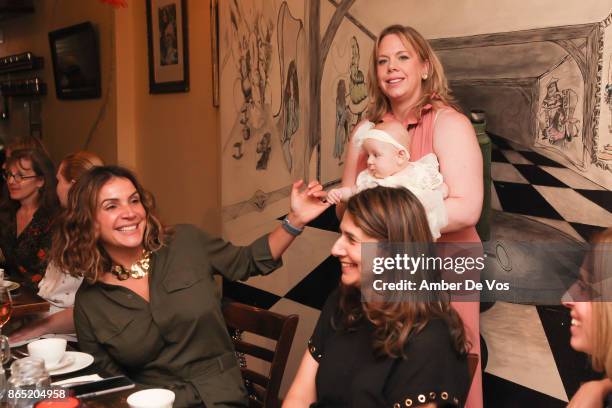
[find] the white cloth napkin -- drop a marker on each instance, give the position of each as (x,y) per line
(83,378)
(68,337)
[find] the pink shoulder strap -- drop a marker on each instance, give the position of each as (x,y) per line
(422,138)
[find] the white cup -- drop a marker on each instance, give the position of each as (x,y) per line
(50,350)
(152,398)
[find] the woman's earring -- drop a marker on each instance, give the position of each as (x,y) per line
(424,76)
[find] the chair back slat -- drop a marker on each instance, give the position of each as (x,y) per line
(263,388)
(240,316)
(253,350)
(255,377)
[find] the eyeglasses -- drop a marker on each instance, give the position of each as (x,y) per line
(6,175)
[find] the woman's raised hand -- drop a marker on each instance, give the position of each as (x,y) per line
(306,203)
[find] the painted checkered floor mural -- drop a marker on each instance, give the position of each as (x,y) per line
(530,362)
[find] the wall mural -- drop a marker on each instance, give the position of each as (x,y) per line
(552,93)
(291,95)
(262,74)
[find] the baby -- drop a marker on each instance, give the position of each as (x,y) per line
(389,165)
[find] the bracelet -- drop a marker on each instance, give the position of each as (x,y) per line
(290,228)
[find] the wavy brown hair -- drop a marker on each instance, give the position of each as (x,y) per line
(395,215)
(76,247)
(434,89)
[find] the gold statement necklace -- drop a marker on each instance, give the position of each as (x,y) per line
(138,270)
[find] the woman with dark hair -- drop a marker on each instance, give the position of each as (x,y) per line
(57,286)
(407,84)
(149,307)
(378,352)
(27,214)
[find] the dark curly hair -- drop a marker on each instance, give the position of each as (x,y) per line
(76,247)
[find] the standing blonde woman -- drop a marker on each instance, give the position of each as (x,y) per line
(407,84)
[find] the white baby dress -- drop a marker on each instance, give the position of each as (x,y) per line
(421,177)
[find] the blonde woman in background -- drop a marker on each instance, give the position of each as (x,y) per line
(591,325)
(57,286)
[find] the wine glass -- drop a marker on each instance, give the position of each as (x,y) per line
(6,309)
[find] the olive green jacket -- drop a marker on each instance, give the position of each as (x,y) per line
(178,340)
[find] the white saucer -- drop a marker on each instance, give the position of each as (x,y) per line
(79,361)
(66,359)
(10,285)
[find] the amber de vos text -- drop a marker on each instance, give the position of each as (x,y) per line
(410,264)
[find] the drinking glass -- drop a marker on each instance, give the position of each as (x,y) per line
(29,379)
(6,309)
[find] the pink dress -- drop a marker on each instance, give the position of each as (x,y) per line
(422,144)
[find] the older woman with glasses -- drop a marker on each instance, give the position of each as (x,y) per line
(27,213)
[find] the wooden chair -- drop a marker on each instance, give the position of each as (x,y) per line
(262,388)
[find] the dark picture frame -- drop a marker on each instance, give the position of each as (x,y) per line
(214,48)
(168,46)
(76,62)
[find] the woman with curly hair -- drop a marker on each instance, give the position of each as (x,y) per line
(383,352)
(149,307)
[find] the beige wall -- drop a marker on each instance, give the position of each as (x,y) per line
(65,124)
(170,139)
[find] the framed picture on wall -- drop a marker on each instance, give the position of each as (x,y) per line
(168,46)
(76,62)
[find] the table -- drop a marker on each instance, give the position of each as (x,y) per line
(26,302)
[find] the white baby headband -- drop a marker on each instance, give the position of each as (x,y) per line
(366,131)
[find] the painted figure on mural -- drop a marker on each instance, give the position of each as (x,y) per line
(557,121)
(291,113)
(264,149)
(263,34)
(342,121)
(606,154)
(357,85)
(246,87)
(608,92)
